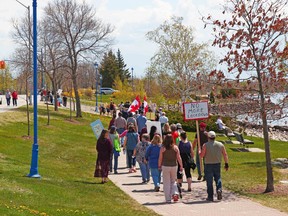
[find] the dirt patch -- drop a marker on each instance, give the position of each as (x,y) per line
(26,137)
(279,190)
(283,171)
(73,121)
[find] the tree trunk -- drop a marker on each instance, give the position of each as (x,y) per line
(48,114)
(77,97)
(54,87)
(269,171)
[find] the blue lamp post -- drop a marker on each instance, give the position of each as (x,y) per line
(96,78)
(34,160)
(101,79)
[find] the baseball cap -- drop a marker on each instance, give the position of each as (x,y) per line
(211,134)
(202,124)
(179,126)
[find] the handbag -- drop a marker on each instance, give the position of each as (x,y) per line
(190,163)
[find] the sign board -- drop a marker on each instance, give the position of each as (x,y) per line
(157,124)
(97,128)
(195,110)
(150,115)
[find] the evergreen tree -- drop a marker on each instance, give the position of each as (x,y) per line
(112,68)
(123,71)
(109,69)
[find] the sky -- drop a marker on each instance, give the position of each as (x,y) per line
(132,19)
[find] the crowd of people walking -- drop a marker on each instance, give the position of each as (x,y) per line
(165,156)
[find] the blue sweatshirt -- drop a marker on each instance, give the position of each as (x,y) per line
(152,155)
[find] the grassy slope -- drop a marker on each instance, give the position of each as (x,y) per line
(66,164)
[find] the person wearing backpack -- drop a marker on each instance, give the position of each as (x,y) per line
(130,142)
(115,140)
(139,153)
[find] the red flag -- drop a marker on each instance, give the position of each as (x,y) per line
(135,105)
(145,105)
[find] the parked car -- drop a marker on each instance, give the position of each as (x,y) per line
(107,91)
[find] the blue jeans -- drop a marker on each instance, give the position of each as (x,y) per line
(213,171)
(120,131)
(116,155)
(131,161)
(198,164)
(156,176)
(144,168)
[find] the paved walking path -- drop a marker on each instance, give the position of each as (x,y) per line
(192,203)
(20,102)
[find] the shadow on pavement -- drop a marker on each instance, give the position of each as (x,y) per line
(121,168)
(119,173)
(197,202)
(132,184)
(143,191)
(133,176)
(156,203)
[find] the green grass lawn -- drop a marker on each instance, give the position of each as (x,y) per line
(66,164)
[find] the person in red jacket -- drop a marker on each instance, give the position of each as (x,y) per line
(14,97)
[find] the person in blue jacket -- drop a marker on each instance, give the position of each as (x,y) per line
(152,156)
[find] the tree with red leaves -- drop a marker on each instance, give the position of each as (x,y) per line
(254,36)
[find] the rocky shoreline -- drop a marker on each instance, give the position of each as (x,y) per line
(273,134)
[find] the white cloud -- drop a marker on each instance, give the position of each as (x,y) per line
(131,21)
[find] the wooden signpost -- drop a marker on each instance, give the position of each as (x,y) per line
(196,111)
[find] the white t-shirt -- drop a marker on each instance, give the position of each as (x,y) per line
(163,119)
(220,124)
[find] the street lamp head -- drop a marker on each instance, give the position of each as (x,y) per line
(132,68)
(96,65)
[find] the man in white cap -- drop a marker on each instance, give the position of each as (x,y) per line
(212,151)
(163,119)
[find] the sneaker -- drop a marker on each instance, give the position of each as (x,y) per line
(219,194)
(168,201)
(204,179)
(189,190)
(199,177)
(144,182)
(115,172)
(209,199)
(175,197)
(157,189)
